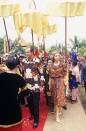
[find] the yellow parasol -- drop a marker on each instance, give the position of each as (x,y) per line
(8,8)
(62,8)
(36,21)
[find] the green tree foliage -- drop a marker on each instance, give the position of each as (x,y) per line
(80,45)
(75,43)
(82,51)
(57,48)
(17,48)
(52,49)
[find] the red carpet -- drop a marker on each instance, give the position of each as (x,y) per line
(28,125)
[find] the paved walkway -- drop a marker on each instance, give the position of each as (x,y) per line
(73,119)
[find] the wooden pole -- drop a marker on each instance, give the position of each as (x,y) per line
(44,43)
(65,36)
(6,34)
(38,44)
(32,40)
(4,46)
(34,3)
(32,29)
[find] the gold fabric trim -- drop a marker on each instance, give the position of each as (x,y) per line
(11,125)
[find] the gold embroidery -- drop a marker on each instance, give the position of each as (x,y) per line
(7,126)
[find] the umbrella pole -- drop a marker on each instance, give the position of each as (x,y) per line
(38,44)
(34,3)
(44,43)
(32,40)
(65,36)
(6,34)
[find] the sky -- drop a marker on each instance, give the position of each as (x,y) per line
(76,26)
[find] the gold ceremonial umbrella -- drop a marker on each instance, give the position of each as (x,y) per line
(8,8)
(50,29)
(63,8)
(35,20)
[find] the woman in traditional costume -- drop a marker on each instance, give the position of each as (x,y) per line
(57,72)
(10,111)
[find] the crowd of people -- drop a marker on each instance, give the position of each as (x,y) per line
(23,77)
